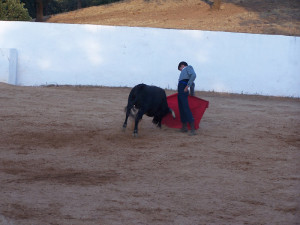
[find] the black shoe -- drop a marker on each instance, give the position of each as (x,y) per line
(184,128)
(193,131)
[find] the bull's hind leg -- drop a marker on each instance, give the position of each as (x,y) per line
(138,117)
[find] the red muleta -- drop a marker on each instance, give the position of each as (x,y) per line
(197,106)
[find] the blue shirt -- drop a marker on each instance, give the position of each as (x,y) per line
(187,73)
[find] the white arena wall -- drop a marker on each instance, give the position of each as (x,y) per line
(71,54)
(8,65)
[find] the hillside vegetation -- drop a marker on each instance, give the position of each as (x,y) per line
(247,16)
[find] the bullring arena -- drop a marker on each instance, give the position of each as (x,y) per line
(65,160)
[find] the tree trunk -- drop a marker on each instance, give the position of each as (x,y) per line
(78,4)
(39,10)
(217,4)
(46,7)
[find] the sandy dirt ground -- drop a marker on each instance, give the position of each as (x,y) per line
(65,160)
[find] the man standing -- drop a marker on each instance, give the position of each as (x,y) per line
(186,79)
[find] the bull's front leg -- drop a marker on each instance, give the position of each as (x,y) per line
(138,117)
(159,123)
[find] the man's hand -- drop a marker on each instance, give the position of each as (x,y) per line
(186,89)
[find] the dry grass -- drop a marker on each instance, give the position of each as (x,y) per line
(246,16)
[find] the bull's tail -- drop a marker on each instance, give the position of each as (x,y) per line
(132,111)
(132,98)
(128,110)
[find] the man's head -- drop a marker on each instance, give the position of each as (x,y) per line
(181,65)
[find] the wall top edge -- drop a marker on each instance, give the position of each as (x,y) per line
(137,28)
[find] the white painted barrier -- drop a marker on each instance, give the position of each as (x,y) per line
(8,65)
(125,56)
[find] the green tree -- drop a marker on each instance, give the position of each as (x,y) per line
(40,8)
(37,8)
(13,10)
(30,5)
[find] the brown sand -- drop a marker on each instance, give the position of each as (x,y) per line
(65,160)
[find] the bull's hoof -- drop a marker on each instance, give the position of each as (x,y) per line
(124,128)
(135,133)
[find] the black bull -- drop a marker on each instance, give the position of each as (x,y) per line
(149,100)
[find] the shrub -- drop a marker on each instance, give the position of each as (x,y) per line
(13,10)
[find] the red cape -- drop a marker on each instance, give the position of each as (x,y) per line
(197,106)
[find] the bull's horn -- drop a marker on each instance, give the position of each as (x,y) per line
(173,113)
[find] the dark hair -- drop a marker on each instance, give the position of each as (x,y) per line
(182,63)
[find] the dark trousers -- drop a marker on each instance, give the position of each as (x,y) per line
(192,89)
(183,104)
